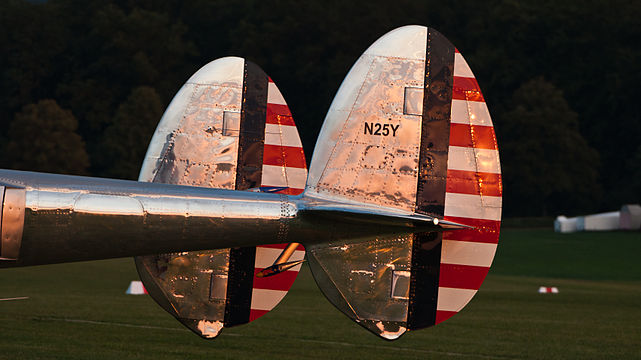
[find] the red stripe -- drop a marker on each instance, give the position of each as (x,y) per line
(279,114)
(440,315)
(287,156)
(466,88)
(456,51)
(278,109)
(462,276)
(290,191)
(485,231)
(282,281)
(476,136)
(281,246)
(255,314)
(474,183)
(279,119)
(274,246)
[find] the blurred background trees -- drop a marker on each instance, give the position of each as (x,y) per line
(43,137)
(128,133)
(547,164)
(559,79)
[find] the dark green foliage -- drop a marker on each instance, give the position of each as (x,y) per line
(634,176)
(43,138)
(547,164)
(90,55)
(125,140)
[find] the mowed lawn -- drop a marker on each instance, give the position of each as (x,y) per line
(80,311)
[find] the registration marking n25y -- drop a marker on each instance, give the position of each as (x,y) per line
(380,129)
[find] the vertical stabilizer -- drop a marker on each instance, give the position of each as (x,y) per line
(408,130)
(228,127)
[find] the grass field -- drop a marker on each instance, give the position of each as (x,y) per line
(80,311)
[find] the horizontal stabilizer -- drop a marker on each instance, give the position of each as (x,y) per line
(377,214)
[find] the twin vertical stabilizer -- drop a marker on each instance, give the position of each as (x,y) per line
(399,216)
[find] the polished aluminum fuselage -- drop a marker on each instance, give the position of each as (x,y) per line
(73,218)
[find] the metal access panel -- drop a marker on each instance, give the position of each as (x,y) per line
(12,221)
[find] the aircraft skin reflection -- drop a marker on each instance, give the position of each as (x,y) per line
(72,218)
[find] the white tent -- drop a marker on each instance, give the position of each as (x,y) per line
(598,222)
(136,288)
(563,224)
(630,217)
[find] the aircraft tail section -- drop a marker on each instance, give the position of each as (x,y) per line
(400,214)
(408,130)
(228,127)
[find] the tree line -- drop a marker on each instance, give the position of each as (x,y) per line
(83,84)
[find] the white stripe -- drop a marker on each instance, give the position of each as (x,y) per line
(450,299)
(467,253)
(282,176)
(470,113)
(282,135)
(274,96)
(473,206)
(460,66)
(473,159)
(263,299)
(265,257)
